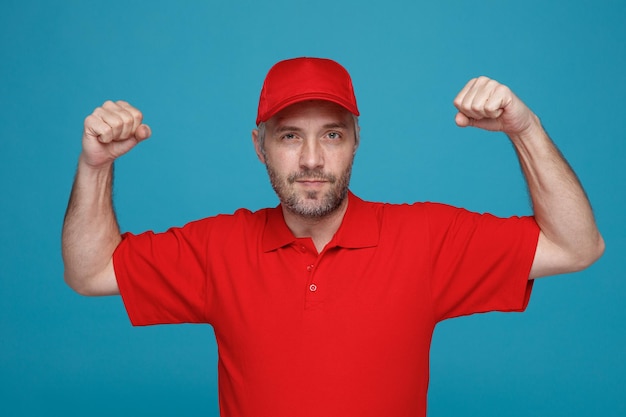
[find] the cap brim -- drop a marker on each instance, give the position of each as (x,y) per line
(305,97)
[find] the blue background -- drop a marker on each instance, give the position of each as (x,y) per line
(195,69)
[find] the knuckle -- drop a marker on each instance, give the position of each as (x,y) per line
(134,115)
(125,117)
(91,119)
(98,112)
(116,123)
(503,89)
(130,111)
(107,134)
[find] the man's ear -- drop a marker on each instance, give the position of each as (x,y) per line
(357,139)
(257,145)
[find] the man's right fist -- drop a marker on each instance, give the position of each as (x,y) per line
(110,131)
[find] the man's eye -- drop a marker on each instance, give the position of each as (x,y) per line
(334,135)
(289,136)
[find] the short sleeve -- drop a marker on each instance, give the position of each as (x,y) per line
(162,276)
(480,262)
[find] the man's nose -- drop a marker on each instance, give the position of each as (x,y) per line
(312,155)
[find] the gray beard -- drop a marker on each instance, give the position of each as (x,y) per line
(326,203)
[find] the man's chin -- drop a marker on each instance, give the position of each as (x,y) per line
(314,208)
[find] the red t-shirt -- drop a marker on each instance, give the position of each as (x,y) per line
(345,332)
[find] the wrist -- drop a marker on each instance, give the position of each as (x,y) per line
(94,177)
(533,131)
(85,163)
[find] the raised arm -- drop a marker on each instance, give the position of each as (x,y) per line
(569,240)
(90,230)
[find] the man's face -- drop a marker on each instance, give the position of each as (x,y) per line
(308,151)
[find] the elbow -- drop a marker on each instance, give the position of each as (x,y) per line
(93,286)
(577,255)
(592,252)
(91,280)
(76,284)
(599,249)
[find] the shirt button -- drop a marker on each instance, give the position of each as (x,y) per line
(310,267)
(312,287)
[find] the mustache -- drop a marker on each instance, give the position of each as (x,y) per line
(312,174)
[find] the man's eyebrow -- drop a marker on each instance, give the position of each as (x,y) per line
(292,128)
(335,125)
(287,128)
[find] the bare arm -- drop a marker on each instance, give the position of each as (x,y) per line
(90,230)
(569,239)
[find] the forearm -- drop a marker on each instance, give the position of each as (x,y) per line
(90,232)
(570,240)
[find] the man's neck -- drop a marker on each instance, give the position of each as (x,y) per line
(321,230)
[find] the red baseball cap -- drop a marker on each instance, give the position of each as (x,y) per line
(299,79)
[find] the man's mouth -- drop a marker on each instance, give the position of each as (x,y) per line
(311,178)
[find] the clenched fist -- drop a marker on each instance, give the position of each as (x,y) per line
(489,105)
(110,131)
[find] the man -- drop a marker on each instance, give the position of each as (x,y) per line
(326,304)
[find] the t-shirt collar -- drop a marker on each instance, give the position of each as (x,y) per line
(360,227)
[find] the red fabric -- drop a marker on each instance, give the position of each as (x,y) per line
(299,79)
(357,342)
